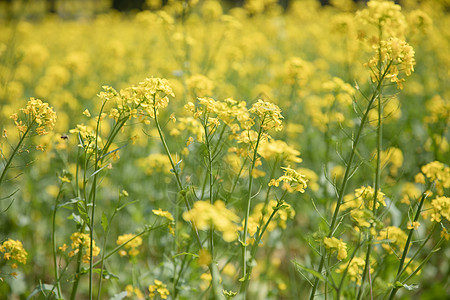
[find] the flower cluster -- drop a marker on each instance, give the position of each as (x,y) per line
(36,112)
(441,209)
(158,288)
(355,269)
(269,114)
(397,56)
(385,15)
(280,150)
(13,250)
(83,241)
(261,213)
(293,181)
(392,238)
(366,195)
(131,246)
(435,172)
(87,137)
(203,214)
(139,100)
(333,244)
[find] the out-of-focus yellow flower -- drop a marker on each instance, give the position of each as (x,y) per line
(163,213)
(355,269)
(203,214)
(392,238)
(130,246)
(409,191)
(13,250)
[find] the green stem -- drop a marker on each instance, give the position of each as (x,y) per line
(347,173)
(376,188)
(177,176)
(93,201)
(408,243)
(16,149)
(55,263)
(247,212)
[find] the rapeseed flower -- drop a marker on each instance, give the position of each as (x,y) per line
(83,241)
(158,288)
(131,246)
(13,250)
(336,245)
(294,180)
(204,214)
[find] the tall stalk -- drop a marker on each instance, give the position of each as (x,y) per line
(348,171)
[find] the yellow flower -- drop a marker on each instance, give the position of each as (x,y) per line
(269,114)
(413,225)
(203,214)
(163,213)
(14,250)
(38,112)
(392,238)
(158,288)
(295,180)
(204,257)
(87,113)
(355,269)
(367,193)
(333,244)
(409,191)
(131,245)
(83,240)
(441,209)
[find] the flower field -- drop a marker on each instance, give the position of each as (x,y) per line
(196,150)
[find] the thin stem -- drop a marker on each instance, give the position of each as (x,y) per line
(55,263)
(377,183)
(93,201)
(16,149)
(177,176)
(408,243)
(347,173)
(247,212)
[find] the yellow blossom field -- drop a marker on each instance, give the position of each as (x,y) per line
(202,150)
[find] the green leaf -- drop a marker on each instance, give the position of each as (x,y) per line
(411,287)
(83,213)
(310,271)
(119,296)
(104,222)
(41,289)
(68,203)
